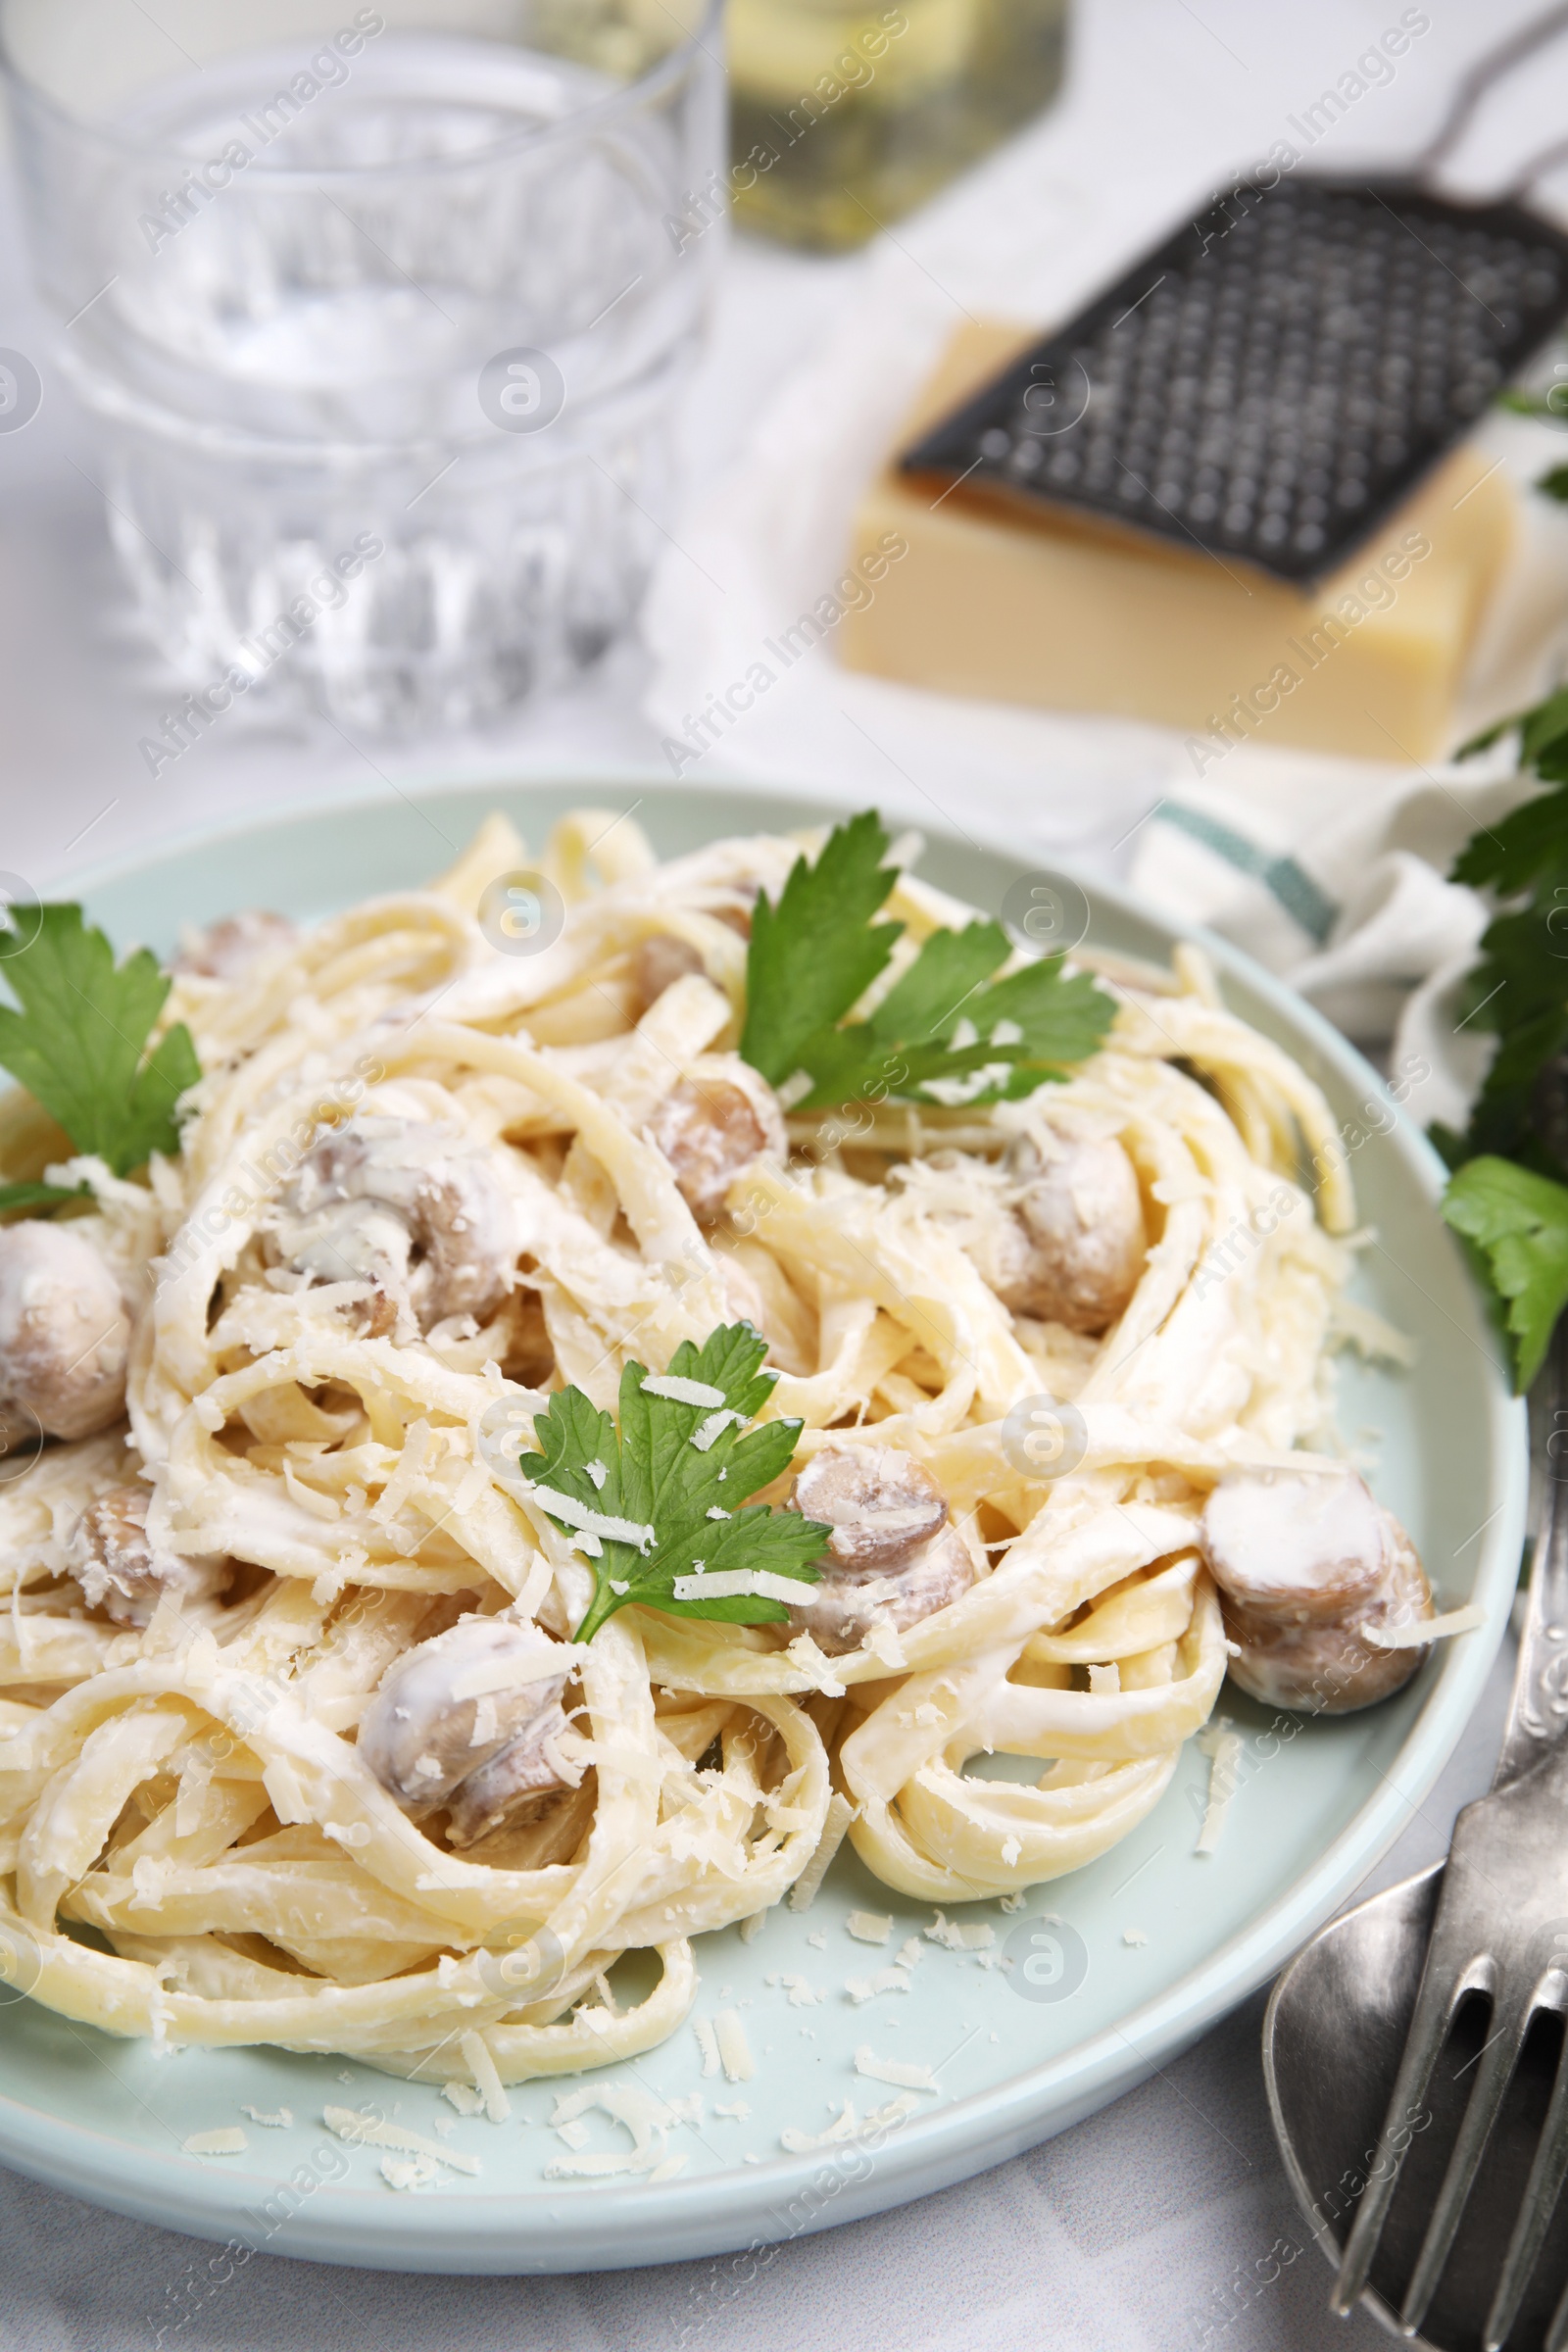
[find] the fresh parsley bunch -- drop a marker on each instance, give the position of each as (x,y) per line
(77,1037)
(658,1507)
(1507,1196)
(947,1032)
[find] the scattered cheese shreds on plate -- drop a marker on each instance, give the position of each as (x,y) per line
(278,2121)
(1422,1629)
(708,2043)
(481,2065)
(410,2172)
(1134,1936)
(1223,1747)
(958,1936)
(375,2131)
(868,1926)
(896,2071)
(225,2139)
(886,1980)
(840,1813)
(463,2097)
(737,2110)
(733,2047)
(801,2143)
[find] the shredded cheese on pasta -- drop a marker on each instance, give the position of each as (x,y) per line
(191,1790)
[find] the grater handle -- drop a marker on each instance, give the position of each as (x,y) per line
(1489,69)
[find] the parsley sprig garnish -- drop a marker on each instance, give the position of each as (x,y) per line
(76,1039)
(1506,1199)
(674,1479)
(947,1032)
(1518,1225)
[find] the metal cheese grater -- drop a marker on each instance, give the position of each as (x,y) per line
(1272,381)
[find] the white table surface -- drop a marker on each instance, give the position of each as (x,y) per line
(1135,2229)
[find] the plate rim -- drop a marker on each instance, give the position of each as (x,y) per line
(713,2214)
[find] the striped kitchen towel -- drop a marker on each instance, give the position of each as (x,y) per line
(1335,877)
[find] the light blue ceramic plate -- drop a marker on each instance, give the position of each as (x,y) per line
(105,2118)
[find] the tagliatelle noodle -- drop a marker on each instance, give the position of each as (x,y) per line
(191,1792)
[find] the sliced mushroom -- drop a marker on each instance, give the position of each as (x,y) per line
(226,950)
(880,1505)
(1306,1563)
(1077,1240)
(662,959)
(122,1571)
(713,1126)
(444,1726)
(892,1557)
(406,1208)
(513,1789)
(64,1333)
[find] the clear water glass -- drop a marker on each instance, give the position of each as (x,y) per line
(381,313)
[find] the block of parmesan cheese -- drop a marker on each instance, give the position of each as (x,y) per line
(994,602)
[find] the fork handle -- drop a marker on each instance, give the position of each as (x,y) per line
(1537,1714)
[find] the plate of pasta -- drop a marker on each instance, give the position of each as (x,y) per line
(704,1517)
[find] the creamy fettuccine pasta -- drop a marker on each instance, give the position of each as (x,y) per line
(297,1742)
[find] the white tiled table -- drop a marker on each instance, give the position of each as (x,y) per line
(1132,2230)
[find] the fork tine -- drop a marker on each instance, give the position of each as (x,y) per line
(1498,2058)
(1433,2007)
(1524,2246)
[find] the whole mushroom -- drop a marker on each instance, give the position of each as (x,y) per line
(1070,1246)
(469,1721)
(406,1209)
(713,1126)
(122,1572)
(1309,1566)
(63,1334)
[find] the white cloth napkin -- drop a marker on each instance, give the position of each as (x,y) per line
(1335,877)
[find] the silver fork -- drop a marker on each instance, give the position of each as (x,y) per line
(1500,1931)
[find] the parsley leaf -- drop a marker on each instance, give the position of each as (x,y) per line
(77,1037)
(947,1032)
(656,1475)
(934,1037)
(1519,988)
(1519,1223)
(817,951)
(17,1198)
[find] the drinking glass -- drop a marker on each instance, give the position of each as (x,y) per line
(380,312)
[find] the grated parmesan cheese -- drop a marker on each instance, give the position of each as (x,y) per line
(227,2139)
(1422,1629)
(706,2043)
(957,1935)
(752,1928)
(463,2097)
(1134,1936)
(408,2171)
(374,2131)
(1223,1748)
(733,2047)
(886,1980)
(836,1821)
(683,1391)
(801,2143)
(867,1926)
(892,2069)
(736,2109)
(271,2123)
(487,2083)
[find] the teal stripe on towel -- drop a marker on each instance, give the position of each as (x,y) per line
(1284,880)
